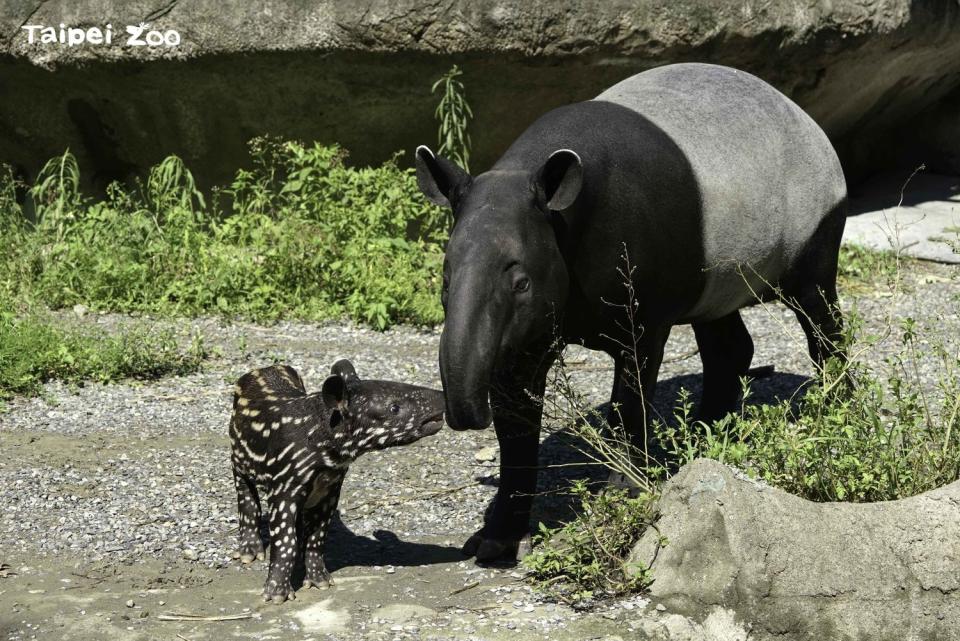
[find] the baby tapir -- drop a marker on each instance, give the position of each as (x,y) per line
(297,446)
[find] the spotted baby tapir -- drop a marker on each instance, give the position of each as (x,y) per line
(297,447)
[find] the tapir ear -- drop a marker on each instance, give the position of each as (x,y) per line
(344,369)
(334,393)
(558,182)
(440,180)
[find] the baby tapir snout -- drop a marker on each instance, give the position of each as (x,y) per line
(378,414)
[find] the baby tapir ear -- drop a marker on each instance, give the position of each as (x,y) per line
(335,395)
(557,183)
(344,369)
(440,180)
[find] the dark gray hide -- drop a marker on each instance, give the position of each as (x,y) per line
(712,184)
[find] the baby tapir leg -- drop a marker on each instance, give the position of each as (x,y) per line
(248,504)
(283,544)
(316,522)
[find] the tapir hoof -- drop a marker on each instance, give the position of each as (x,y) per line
(473,543)
(278,596)
(248,553)
(320,584)
(490,551)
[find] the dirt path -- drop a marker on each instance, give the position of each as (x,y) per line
(119,507)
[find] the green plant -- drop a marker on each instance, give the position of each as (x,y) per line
(169,186)
(861,269)
(34,350)
(453,115)
(859,432)
(56,194)
(876,439)
(590,555)
(299,234)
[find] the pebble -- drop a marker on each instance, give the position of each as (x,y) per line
(130,603)
(486,455)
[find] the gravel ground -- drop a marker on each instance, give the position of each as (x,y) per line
(124,491)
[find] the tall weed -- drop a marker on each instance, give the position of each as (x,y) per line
(453,115)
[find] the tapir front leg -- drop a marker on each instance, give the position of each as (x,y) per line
(517,412)
(283,545)
(316,523)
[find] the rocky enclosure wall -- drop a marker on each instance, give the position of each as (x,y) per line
(794,570)
(358,72)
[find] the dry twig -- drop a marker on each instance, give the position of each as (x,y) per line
(200,617)
(468,586)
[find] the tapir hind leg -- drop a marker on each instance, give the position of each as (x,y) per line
(818,311)
(726,350)
(635,383)
(811,290)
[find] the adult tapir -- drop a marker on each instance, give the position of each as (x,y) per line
(717,189)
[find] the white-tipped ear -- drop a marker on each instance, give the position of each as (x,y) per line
(559,180)
(439,179)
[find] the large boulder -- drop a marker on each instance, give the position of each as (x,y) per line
(793,569)
(359,72)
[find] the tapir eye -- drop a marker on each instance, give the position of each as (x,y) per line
(395,409)
(522,284)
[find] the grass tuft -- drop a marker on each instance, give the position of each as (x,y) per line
(862,270)
(34,350)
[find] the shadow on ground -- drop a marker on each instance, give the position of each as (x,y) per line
(344,549)
(903,188)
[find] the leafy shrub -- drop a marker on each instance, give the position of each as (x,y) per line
(299,234)
(856,434)
(34,350)
(590,555)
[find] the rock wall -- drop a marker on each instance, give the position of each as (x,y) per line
(359,72)
(791,569)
